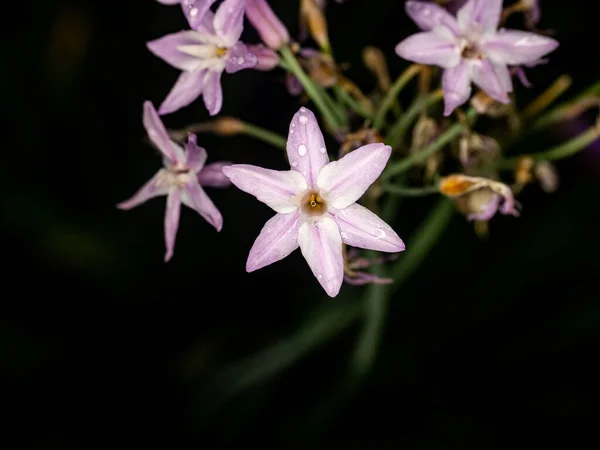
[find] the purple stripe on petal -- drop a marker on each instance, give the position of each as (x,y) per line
(518,47)
(361,228)
(456,84)
(321,246)
(213,93)
(187,88)
(151,189)
(239,57)
(276,189)
(212,175)
(158,134)
(195,198)
(429,48)
(229,21)
(428,15)
(306,149)
(171,222)
(344,181)
(277,239)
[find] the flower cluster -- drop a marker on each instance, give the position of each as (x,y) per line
(316,202)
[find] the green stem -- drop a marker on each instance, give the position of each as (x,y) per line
(396,134)
(353,104)
(264,135)
(564,150)
(392,95)
(445,138)
(311,89)
(335,106)
(404,191)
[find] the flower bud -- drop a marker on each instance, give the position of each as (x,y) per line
(271,30)
(267,58)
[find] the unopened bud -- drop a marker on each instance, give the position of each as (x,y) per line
(271,30)
(374,60)
(226,126)
(267,58)
(312,14)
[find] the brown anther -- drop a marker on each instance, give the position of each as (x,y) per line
(221,51)
(471,52)
(523,170)
(314,204)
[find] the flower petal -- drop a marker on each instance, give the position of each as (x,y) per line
(195,156)
(485,13)
(194,197)
(456,84)
(187,88)
(266,59)
(158,134)
(428,15)
(167,49)
(306,149)
(213,94)
(321,246)
(151,189)
(239,58)
(195,10)
(344,181)
(518,47)
(361,228)
(274,188)
(212,175)
(229,21)
(270,29)
(484,74)
(277,239)
(429,47)
(171,222)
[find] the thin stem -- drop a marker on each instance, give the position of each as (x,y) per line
(396,134)
(392,95)
(445,138)
(309,86)
(264,135)
(403,191)
(352,103)
(560,85)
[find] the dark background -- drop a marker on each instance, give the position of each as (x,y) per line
(490,345)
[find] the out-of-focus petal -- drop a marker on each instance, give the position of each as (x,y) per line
(239,57)
(171,222)
(485,13)
(344,181)
(456,84)
(195,11)
(271,30)
(158,134)
(428,15)
(195,156)
(229,21)
(213,93)
(276,189)
(194,197)
(167,49)
(267,59)
(361,228)
(151,189)
(518,47)
(490,79)
(187,88)
(277,239)
(429,47)
(212,175)
(306,149)
(321,246)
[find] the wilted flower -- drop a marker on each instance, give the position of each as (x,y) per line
(316,204)
(203,54)
(180,180)
(475,148)
(470,48)
(271,30)
(479,198)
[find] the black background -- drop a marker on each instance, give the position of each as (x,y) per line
(490,345)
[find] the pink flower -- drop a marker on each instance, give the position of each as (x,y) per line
(180,180)
(316,204)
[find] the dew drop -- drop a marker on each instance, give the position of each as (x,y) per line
(303,109)
(241,60)
(322,149)
(379,233)
(294,163)
(302,149)
(193,12)
(303,120)
(320,276)
(344,235)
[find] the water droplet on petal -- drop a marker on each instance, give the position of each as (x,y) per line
(294,163)
(320,276)
(303,120)
(322,149)
(378,233)
(193,12)
(303,109)
(241,60)
(344,235)
(302,149)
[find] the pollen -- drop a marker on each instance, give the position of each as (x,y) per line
(314,204)
(221,51)
(454,185)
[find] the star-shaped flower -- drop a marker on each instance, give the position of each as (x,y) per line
(470,48)
(203,53)
(180,180)
(316,204)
